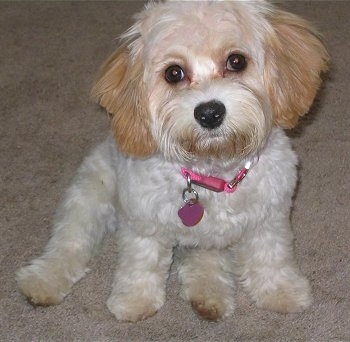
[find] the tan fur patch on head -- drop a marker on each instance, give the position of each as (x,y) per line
(295,60)
(119,89)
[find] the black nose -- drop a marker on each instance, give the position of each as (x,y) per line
(210,114)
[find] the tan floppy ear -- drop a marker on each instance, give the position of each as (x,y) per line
(295,60)
(119,89)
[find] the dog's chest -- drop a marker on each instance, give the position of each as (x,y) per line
(149,202)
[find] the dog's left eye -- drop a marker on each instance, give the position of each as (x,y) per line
(236,62)
(174,74)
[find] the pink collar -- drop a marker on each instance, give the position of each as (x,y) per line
(214,183)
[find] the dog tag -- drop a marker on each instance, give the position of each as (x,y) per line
(191,213)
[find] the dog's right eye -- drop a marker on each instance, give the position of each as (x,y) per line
(174,74)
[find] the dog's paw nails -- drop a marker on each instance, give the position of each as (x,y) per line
(286,300)
(131,309)
(208,304)
(206,311)
(39,291)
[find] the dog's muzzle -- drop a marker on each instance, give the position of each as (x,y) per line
(210,114)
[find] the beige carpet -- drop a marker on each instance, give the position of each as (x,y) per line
(49,55)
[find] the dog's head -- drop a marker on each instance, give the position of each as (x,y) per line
(209,79)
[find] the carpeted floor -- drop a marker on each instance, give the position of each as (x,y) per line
(49,55)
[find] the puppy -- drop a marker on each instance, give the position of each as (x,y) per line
(199,94)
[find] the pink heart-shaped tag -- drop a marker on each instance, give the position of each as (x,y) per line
(191,213)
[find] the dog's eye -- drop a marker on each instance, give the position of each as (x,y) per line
(174,74)
(236,62)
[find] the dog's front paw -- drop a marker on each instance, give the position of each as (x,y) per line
(288,297)
(129,307)
(42,287)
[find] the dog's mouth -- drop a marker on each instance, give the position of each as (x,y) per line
(195,141)
(215,143)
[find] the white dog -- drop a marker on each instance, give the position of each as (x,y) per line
(199,92)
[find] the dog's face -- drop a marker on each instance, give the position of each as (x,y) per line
(203,79)
(209,79)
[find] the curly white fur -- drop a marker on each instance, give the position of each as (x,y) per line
(131,184)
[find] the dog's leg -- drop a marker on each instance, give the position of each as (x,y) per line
(78,230)
(207,282)
(265,263)
(140,280)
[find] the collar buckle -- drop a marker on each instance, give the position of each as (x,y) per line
(240,176)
